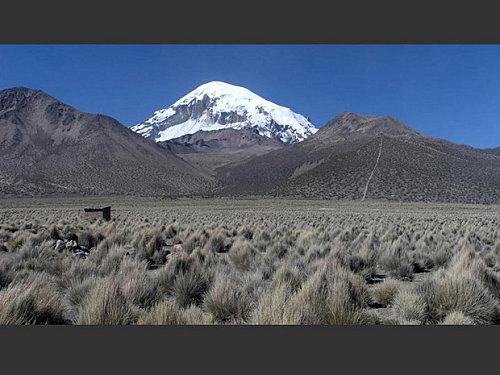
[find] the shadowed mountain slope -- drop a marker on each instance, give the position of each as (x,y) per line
(213,149)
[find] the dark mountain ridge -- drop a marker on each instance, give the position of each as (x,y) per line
(48,147)
(370,157)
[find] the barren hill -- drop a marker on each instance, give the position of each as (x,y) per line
(370,157)
(48,147)
(494,151)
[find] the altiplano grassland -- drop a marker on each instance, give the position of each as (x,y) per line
(252,261)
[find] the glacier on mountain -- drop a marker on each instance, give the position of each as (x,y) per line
(218,105)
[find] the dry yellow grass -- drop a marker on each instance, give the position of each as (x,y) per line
(249,262)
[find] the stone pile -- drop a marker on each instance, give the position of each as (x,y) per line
(69,242)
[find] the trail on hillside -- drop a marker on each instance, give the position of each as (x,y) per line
(373,170)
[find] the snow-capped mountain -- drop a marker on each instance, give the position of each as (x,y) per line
(218,105)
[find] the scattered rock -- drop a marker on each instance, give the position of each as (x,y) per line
(68,236)
(166,249)
(60,245)
(71,245)
(177,248)
(81,254)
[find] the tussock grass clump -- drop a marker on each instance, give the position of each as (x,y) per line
(457,318)
(163,313)
(243,255)
(227,301)
(194,315)
(54,232)
(410,306)
(457,292)
(108,260)
(171,231)
(167,312)
(332,295)
(291,276)
(396,260)
(74,295)
(246,232)
(195,240)
(272,307)
(217,243)
(137,285)
(477,268)
(77,270)
(34,300)
(5,274)
(384,293)
(190,287)
(105,304)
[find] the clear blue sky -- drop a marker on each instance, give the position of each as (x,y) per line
(451,92)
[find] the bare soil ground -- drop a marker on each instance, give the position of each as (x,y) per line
(251,261)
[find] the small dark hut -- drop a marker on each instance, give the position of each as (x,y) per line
(106,212)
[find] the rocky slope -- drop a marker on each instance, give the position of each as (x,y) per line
(48,147)
(370,157)
(213,149)
(494,151)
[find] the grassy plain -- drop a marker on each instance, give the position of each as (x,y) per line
(248,261)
